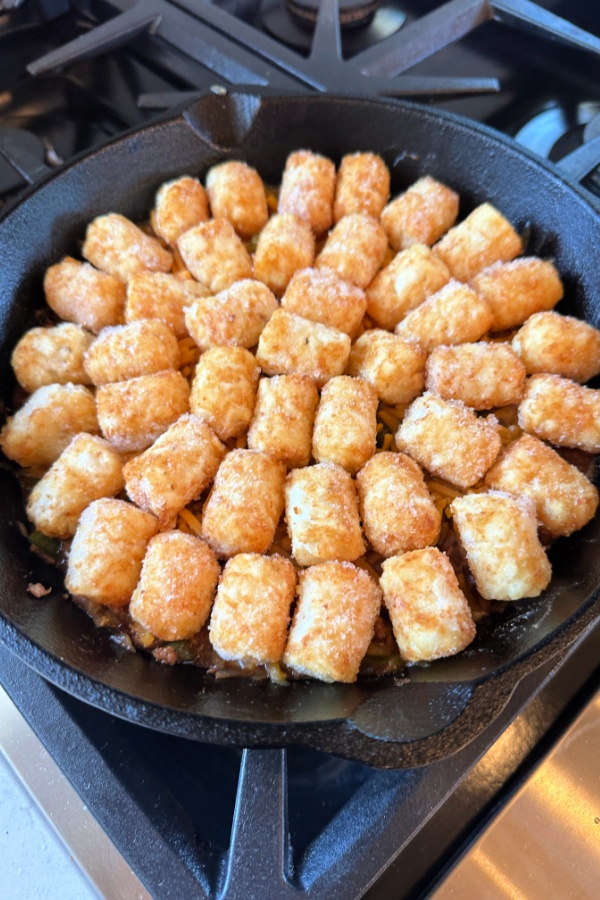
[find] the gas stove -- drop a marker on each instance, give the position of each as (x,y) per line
(191,819)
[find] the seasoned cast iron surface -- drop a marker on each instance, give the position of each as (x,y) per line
(384,723)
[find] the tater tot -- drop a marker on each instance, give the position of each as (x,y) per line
(175,470)
(411,277)
(290,344)
(429,613)
(483,238)
(89,468)
(321,509)
(215,254)
(558,345)
(307,189)
(334,621)
(454,315)
(565,500)
(133,413)
(422,214)
(51,356)
(322,296)
(515,290)
(45,425)
(127,351)
(285,245)
(482,375)
(397,510)
(498,532)
(283,419)
(345,429)
(224,390)
(106,555)
(362,186)
(77,292)
(355,249)
(116,245)
(245,504)
(179,205)
(236,315)
(160,295)
(177,585)
(251,613)
(448,439)
(562,412)
(236,193)
(395,367)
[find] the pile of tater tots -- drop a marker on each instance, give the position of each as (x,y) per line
(309,426)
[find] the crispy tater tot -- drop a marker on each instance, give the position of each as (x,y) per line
(51,356)
(321,508)
(89,468)
(565,500)
(345,429)
(483,238)
(116,245)
(395,367)
(307,189)
(133,413)
(179,205)
(517,289)
(562,412)
(354,249)
(177,585)
(429,613)
(448,439)
(322,296)
(236,315)
(422,214)
(334,621)
(285,245)
(245,504)
(283,419)
(175,470)
(77,292)
(411,277)
(106,555)
(483,375)
(236,192)
(454,315)
(362,186)
(397,510)
(224,390)
(290,344)
(251,613)
(215,254)
(558,345)
(45,425)
(127,351)
(498,532)
(160,295)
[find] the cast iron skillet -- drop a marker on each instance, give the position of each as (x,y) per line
(383,723)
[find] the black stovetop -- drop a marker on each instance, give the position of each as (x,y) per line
(348,830)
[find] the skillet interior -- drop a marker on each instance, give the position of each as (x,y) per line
(383,723)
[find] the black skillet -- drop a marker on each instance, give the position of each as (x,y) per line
(390,722)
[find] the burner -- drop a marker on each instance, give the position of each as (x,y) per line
(363,23)
(352,12)
(560,128)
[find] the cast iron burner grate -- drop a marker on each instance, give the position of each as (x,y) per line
(237,53)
